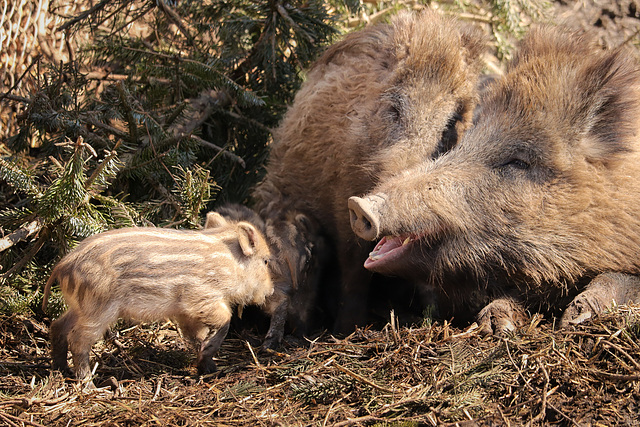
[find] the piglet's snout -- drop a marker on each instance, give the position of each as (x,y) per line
(365,216)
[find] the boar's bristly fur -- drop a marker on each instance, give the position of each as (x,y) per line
(380,101)
(538,199)
(150,274)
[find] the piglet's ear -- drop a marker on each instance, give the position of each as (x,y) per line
(247,237)
(214,219)
(303,221)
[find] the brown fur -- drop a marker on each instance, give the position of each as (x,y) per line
(148,274)
(378,102)
(540,197)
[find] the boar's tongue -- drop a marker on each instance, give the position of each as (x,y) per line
(388,250)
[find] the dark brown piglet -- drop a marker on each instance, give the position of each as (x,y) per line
(298,251)
(538,204)
(149,274)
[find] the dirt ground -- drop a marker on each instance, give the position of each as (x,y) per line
(428,374)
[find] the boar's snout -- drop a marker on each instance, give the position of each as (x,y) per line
(365,216)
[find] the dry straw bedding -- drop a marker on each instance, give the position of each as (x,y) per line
(433,374)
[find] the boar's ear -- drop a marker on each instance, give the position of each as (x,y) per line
(247,237)
(613,99)
(371,42)
(214,219)
(475,44)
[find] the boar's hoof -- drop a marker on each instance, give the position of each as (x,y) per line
(604,291)
(364,216)
(585,306)
(87,385)
(501,317)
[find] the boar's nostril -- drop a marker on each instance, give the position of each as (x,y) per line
(354,216)
(366,224)
(363,220)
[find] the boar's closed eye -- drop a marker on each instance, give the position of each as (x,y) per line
(395,108)
(449,136)
(516,164)
(394,113)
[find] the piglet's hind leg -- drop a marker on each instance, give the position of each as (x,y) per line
(59,332)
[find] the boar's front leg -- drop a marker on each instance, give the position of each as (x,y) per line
(604,290)
(501,316)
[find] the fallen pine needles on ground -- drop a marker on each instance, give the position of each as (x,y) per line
(428,375)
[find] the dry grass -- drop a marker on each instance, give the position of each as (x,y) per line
(429,375)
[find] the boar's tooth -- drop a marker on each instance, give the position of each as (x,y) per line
(407,240)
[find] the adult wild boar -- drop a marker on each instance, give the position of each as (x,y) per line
(380,101)
(148,274)
(538,203)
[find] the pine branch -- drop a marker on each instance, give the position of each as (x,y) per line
(220,150)
(17,82)
(84,15)
(18,179)
(101,167)
(283,12)
(131,121)
(42,239)
(20,234)
(175,18)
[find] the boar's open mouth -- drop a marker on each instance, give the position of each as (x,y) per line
(389,251)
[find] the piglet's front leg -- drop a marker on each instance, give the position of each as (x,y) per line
(602,293)
(219,322)
(278,308)
(208,349)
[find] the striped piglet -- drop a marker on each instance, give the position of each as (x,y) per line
(149,274)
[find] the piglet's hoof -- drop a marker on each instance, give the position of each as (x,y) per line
(64,370)
(501,317)
(271,342)
(206,366)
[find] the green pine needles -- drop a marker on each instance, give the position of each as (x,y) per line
(163,111)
